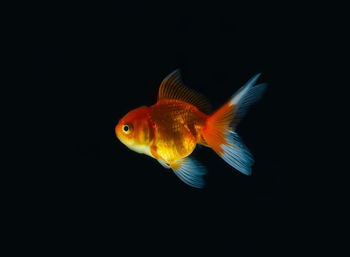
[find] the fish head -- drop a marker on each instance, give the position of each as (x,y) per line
(133,130)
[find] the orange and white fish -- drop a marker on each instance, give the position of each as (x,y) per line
(170,129)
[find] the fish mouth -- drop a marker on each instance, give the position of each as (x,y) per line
(120,138)
(123,140)
(117,130)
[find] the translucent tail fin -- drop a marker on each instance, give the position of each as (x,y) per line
(219,134)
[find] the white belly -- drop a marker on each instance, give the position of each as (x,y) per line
(143,149)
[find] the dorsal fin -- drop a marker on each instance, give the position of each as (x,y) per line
(172,87)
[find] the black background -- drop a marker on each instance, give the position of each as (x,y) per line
(90,64)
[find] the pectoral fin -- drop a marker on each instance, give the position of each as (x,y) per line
(189,171)
(164,164)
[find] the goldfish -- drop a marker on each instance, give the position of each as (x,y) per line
(170,130)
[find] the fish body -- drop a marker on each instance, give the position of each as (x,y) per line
(170,129)
(177,128)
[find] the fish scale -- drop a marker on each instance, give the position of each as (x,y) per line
(173,120)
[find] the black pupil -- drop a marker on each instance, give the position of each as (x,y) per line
(126,128)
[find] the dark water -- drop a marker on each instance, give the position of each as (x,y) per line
(93,63)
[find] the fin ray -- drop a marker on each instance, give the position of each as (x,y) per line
(190,172)
(244,101)
(237,154)
(172,87)
(164,164)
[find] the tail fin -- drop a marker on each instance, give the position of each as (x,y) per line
(219,134)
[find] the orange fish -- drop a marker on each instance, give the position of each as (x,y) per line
(170,129)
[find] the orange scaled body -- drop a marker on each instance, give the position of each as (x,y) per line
(177,129)
(170,129)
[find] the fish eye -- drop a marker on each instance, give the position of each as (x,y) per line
(126,128)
